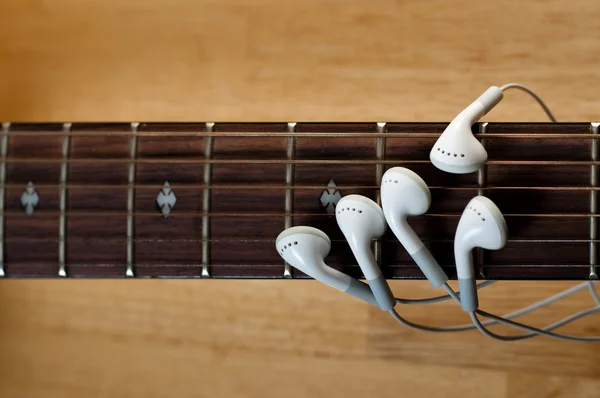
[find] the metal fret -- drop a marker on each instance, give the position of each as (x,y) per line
(3,152)
(289,192)
(206,201)
(481,184)
(482,172)
(62,226)
(380,155)
(131,199)
(593,204)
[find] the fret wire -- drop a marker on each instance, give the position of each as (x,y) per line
(131,200)
(481,184)
(3,152)
(62,226)
(289,192)
(380,145)
(206,200)
(593,204)
(295,162)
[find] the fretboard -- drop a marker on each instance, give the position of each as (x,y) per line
(207,200)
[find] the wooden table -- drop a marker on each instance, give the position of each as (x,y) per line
(282,61)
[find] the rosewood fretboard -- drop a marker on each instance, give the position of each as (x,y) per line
(208,200)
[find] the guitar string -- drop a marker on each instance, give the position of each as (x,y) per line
(311,162)
(366,134)
(185,186)
(17,213)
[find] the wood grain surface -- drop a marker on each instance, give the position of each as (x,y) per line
(269,60)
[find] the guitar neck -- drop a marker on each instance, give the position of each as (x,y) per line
(192,200)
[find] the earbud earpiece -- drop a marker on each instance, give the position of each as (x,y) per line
(481,225)
(403,194)
(305,248)
(457,150)
(361,220)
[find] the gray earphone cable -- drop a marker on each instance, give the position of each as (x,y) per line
(478,325)
(525,310)
(494,319)
(547,331)
(533,94)
(437,299)
(593,292)
(533,330)
(504,320)
(536,332)
(533,307)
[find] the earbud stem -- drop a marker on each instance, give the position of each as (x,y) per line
(361,291)
(430,267)
(404,233)
(478,108)
(466,278)
(419,253)
(381,290)
(490,98)
(340,281)
(468,294)
(464,261)
(377,282)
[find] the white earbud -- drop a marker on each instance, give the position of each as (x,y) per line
(457,150)
(403,194)
(305,248)
(361,220)
(481,225)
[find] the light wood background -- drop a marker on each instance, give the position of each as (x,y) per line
(254,60)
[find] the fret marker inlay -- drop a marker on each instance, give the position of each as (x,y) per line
(330,197)
(30,199)
(166,199)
